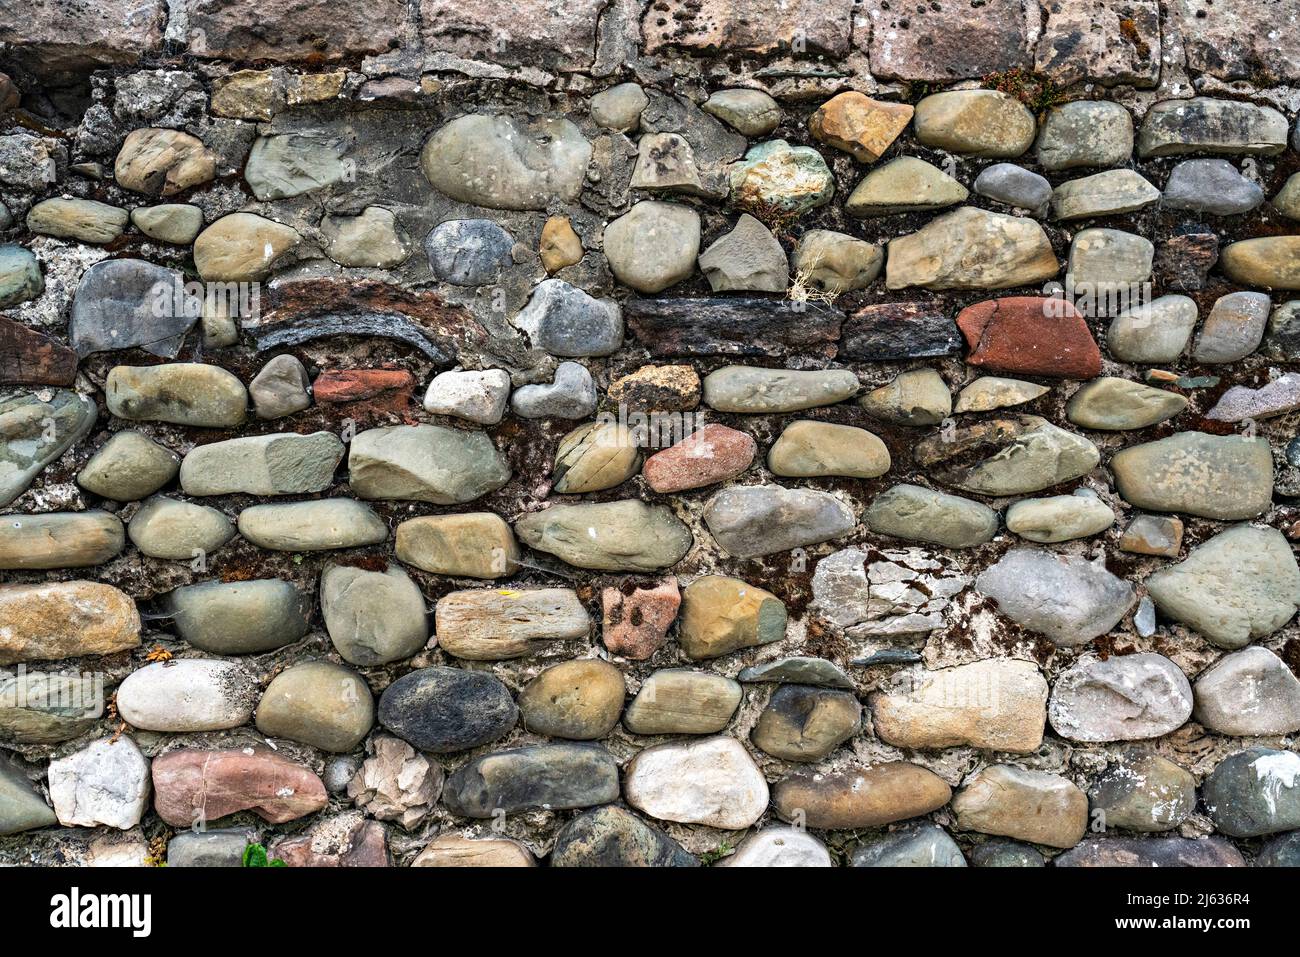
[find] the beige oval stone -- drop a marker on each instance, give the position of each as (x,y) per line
(580,700)
(452,850)
(721,615)
(869,797)
(807,449)
(680,701)
(58,620)
(60,539)
(242,247)
(1269,261)
(1026,805)
(465,545)
(999,704)
(985,123)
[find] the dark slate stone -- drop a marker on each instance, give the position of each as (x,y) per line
(613,836)
(918,845)
(1183,261)
(743,326)
(1254,792)
(554,776)
(1281,851)
(468,252)
(900,330)
(1006,854)
(1151,852)
(888,656)
(219,848)
(28,357)
(447,709)
(390,325)
(130,303)
(799,670)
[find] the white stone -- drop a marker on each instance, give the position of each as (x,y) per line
(780,847)
(712,782)
(106,782)
(477,396)
(187,694)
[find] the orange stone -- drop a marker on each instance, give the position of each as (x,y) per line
(637,619)
(1030,335)
(859,125)
(191,785)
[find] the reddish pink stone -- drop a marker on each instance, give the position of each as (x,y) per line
(381,389)
(331,843)
(713,454)
(208,785)
(637,619)
(1031,335)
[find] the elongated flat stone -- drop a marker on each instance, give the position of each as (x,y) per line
(425,463)
(1064,597)
(313,526)
(748,521)
(58,620)
(1114,404)
(999,705)
(764,391)
(972,249)
(1059,518)
(1203,124)
(1269,261)
(553,776)
(1161,852)
(1242,584)
(192,785)
(183,393)
(860,798)
(1279,397)
(60,539)
(1103,194)
(626,535)
(995,392)
(187,695)
(490,625)
(799,670)
(899,330)
(1225,477)
(1010,456)
(37,707)
(1023,804)
(282,463)
(734,326)
(1121,698)
(466,544)
(924,515)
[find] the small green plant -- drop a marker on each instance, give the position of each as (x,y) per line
(718,853)
(255,856)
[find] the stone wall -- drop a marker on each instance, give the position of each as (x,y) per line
(671,432)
